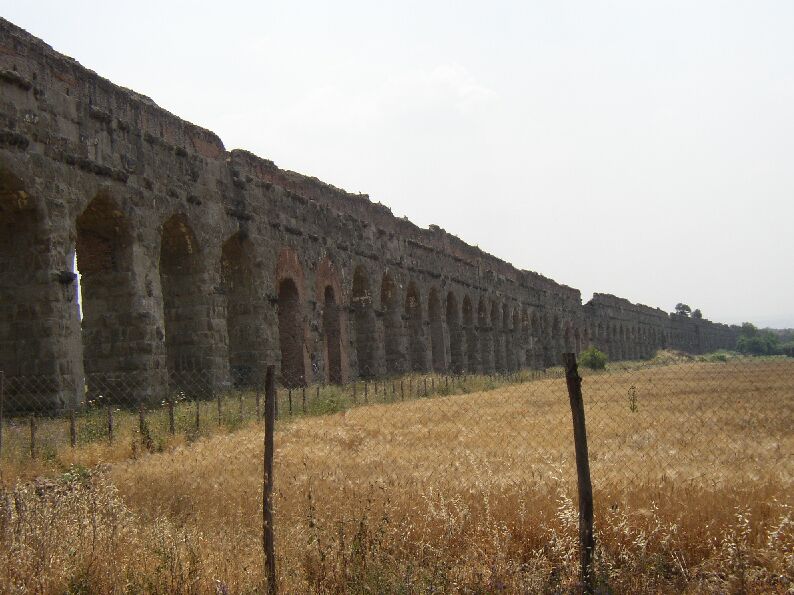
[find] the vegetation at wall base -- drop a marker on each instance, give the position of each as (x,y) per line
(593,358)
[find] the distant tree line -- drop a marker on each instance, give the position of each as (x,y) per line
(755,341)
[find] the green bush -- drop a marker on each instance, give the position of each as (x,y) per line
(593,358)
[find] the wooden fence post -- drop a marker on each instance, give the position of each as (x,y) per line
(198,416)
(585,488)
(220,411)
(110,424)
(289,400)
(268,543)
(366,400)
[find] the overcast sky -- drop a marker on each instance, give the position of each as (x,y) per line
(644,149)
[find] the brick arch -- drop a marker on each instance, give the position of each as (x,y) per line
(453,316)
(242,318)
(498,336)
(103,250)
(25,264)
(435,317)
(393,331)
(182,272)
(414,316)
(292,329)
(364,329)
(470,330)
(485,337)
(515,342)
(328,292)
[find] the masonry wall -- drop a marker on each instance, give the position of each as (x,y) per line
(195,258)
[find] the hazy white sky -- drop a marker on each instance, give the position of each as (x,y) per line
(644,149)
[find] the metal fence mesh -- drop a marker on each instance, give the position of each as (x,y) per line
(414,483)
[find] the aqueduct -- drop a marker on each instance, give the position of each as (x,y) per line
(193,257)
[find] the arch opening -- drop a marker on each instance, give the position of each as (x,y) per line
(364,324)
(416,345)
(180,281)
(486,338)
(453,324)
(333,336)
(241,316)
(392,326)
(436,331)
(472,349)
(290,334)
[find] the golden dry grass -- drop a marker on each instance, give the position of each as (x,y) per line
(692,471)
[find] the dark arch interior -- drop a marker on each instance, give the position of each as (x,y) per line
(333,338)
(436,331)
(471,336)
(104,260)
(392,325)
(364,324)
(498,338)
(241,315)
(453,324)
(416,344)
(486,338)
(180,279)
(290,334)
(20,267)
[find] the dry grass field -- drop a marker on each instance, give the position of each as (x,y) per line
(692,465)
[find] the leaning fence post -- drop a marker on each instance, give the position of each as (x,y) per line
(585,488)
(268,543)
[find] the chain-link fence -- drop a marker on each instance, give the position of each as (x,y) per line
(412,483)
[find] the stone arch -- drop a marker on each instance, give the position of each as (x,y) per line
(392,325)
(472,348)
(290,300)
(514,351)
(38,295)
(498,337)
(556,342)
(436,331)
(365,335)
(333,323)
(417,352)
(290,334)
(243,318)
(181,281)
(568,338)
(103,251)
(455,335)
(486,338)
